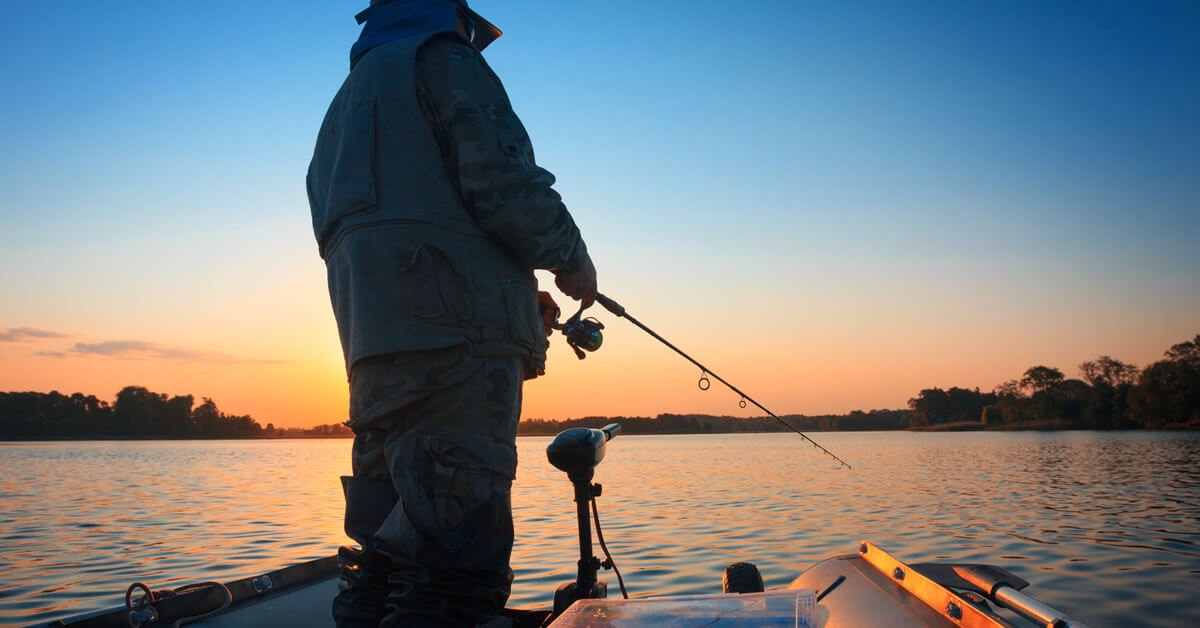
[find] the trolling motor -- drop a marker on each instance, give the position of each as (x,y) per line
(578,451)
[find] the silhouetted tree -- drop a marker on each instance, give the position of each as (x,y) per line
(1011,388)
(138,412)
(1040,379)
(1108,371)
(177,416)
(1167,392)
(1110,380)
(956,404)
(858,420)
(206,418)
(932,404)
(240,426)
(1010,402)
(1071,396)
(1186,352)
(332,429)
(992,416)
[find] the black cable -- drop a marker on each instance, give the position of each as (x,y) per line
(600,536)
(619,310)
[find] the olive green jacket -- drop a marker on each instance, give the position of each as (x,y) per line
(429,210)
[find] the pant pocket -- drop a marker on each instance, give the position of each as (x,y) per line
(458,489)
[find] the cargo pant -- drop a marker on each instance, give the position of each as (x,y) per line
(434,459)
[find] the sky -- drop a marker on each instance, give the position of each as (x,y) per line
(831,204)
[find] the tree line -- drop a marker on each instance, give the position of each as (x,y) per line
(135,413)
(1109,394)
(709,424)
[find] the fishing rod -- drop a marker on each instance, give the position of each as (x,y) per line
(584,334)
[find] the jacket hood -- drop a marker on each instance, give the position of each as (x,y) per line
(390,20)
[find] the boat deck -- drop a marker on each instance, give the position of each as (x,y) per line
(303,607)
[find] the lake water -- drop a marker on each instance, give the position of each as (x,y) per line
(1105,525)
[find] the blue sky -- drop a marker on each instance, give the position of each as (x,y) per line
(970,188)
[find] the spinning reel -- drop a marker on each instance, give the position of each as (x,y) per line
(583,334)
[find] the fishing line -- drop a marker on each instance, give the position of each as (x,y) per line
(705,373)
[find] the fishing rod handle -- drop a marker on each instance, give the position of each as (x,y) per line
(610,305)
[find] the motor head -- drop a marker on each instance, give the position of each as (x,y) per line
(580,449)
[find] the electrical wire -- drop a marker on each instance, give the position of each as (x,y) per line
(607,554)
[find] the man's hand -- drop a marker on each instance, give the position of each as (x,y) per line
(550,311)
(579,285)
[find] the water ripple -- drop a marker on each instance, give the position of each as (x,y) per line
(1106,526)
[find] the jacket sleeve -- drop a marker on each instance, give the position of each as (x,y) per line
(486,149)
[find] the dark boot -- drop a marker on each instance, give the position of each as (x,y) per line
(362,593)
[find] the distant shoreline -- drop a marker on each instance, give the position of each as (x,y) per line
(1042,426)
(1112,395)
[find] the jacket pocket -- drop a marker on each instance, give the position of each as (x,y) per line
(341,177)
(436,291)
(524,320)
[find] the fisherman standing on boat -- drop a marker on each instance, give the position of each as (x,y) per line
(431,216)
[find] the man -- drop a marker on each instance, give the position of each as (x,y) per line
(431,215)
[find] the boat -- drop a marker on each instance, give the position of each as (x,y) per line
(867,587)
